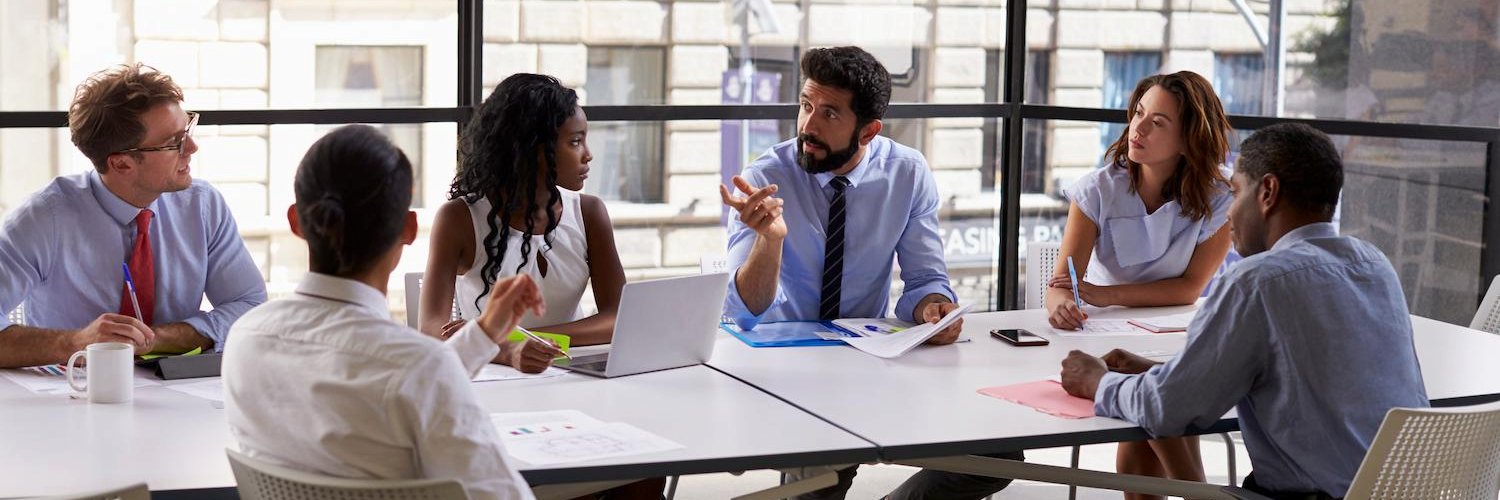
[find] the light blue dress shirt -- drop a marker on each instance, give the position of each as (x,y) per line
(61,251)
(1311,341)
(891,216)
(1133,246)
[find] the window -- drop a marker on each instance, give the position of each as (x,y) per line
(1034,143)
(370,77)
(1122,70)
(1238,79)
(628,161)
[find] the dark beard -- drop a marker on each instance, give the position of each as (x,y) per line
(830,162)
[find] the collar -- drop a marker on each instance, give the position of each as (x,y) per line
(118,209)
(858,174)
(344,290)
(1306,232)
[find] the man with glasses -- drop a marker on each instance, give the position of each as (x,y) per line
(65,251)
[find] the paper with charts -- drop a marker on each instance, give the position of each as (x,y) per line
(555,437)
(52,379)
(896,344)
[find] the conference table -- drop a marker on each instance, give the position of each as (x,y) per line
(747,408)
(175,443)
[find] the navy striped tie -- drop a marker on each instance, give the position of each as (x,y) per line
(833,252)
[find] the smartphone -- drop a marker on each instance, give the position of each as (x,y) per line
(1017,336)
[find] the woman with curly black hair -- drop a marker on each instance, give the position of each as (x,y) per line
(515,209)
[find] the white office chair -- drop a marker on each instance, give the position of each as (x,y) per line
(262,481)
(136,491)
(1487,318)
(1041,261)
(414,299)
(17,316)
(1418,453)
(1450,453)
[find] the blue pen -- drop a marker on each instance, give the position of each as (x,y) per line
(130,285)
(1073,276)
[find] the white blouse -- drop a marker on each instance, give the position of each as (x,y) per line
(1133,246)
(567,264)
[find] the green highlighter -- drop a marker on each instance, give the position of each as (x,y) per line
(561,340)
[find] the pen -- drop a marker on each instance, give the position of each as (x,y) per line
(130,285)
(1073,276)
(533,336)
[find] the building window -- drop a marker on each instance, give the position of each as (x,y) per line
(628,156)
(1034,133)
(1237,79)
(1122,70)
(372,77)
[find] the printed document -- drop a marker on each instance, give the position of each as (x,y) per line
(898,343)
(545,438)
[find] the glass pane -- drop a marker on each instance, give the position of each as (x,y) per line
(1122,70)
(714,54)
(1404,62)
(1420,202)
(672,237)
(237,54)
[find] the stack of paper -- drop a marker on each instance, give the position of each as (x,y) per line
(554,437)
(898,343)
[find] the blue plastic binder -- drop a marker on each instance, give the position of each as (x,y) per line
(784,334)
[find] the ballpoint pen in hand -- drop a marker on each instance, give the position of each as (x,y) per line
(534,336)
(130,285)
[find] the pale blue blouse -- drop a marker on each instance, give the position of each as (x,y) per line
(1133,246)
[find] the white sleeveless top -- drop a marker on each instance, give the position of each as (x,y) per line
(1134,246)
(567,264)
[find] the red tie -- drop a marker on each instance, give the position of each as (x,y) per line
(142,270)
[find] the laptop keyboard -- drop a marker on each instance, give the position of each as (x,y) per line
(595,362)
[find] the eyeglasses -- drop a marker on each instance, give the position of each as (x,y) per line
(177,142)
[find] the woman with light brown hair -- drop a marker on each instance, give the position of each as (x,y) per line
(1153,223)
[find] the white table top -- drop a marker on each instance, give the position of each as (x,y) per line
(926,404)
(54,444)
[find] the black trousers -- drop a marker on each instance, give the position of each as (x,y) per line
(1251,485)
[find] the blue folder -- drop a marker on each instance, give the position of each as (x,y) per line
(783,334)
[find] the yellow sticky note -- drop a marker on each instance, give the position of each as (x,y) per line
(561,340)
(148,357)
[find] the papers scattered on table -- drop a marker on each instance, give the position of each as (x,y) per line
(52,379)
(492,372)
(545,438)
(898,343)
(211,389)
(1046,396)
(1165,324)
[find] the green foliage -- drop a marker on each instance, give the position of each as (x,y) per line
(1330,49)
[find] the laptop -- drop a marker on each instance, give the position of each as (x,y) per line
(662,324)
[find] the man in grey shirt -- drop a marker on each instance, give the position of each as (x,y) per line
(1308,337)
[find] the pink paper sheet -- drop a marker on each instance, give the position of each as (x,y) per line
(1045,396)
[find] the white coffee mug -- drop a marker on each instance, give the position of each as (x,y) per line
(109,372)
